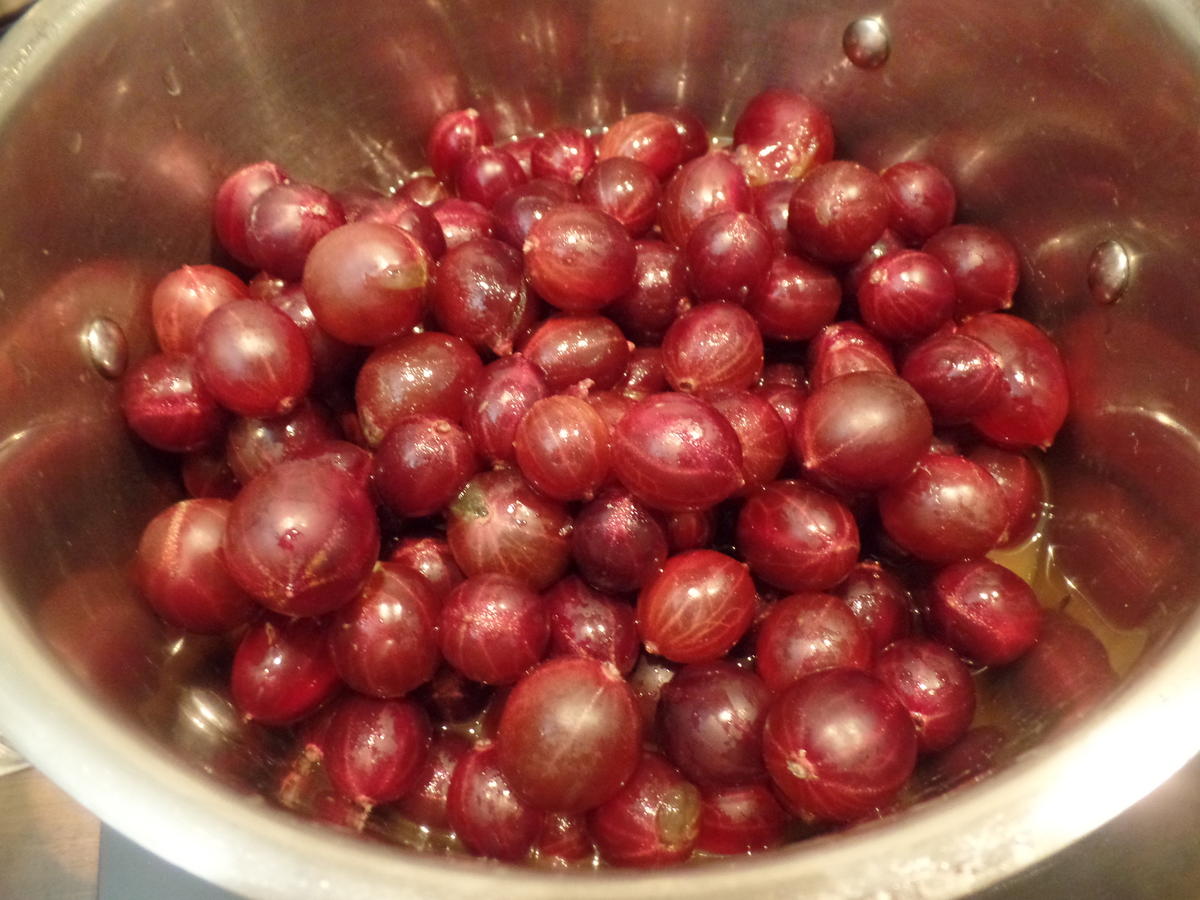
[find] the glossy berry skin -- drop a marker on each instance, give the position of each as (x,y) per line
(183,299)
(957,376)
(521,149)
(167,405)
(357,202)
(983,264)
(562,448)
(462,221)
(838,211)
(286,222)
(302,538)
(384,641)
(650,138)
(419,374)
(569,736)
(517,211)
(563,842)
(653,821)
(645,374)
(282,671)
(845,347)
(702,187)
(486,175)
(838,745)
(350,460)
(587,623)
(426,803)
(570,349)
(727,255)
(493,628)
(409,216)
(888,243)
(618,543)
(923,200)
(625,189)
(579,259)
(807,633)
(366,283)
(1021,485)
(690,529)
(254,445)
(611,405)
(761,432)
(946,509)
(985,612)
(422,464)
(659,294)
(454,137)
(503,393)
(690,128)
(499,523)
(234,200)
(676,453)
(716,346)
(880,602)
(564,153)
(479,295)
(710,719)
(741,819)
(180,569)
(697,608)
(429,557)
(781,134)
(332,359)
(771,208)
(863,431)
(794,300)
(797,537)
(424,190)
(485,812)
(376,749)
(788,403)
(1036,395)
(934,685)
(253,359)
(906,296)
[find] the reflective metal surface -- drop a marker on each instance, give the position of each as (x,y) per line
(10,760)
(1067,124)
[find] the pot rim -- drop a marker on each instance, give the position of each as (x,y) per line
(948,846)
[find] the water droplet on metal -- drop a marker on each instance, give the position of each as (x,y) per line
(171,80)
(107,347)
(75,142)
(1109,271)
(866,43)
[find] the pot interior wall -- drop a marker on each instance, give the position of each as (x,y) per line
(1064,123)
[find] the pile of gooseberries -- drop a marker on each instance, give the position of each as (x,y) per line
(618,495)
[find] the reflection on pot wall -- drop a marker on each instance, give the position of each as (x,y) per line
(1125,520)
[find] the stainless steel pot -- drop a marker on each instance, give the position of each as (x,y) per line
(1071,124)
